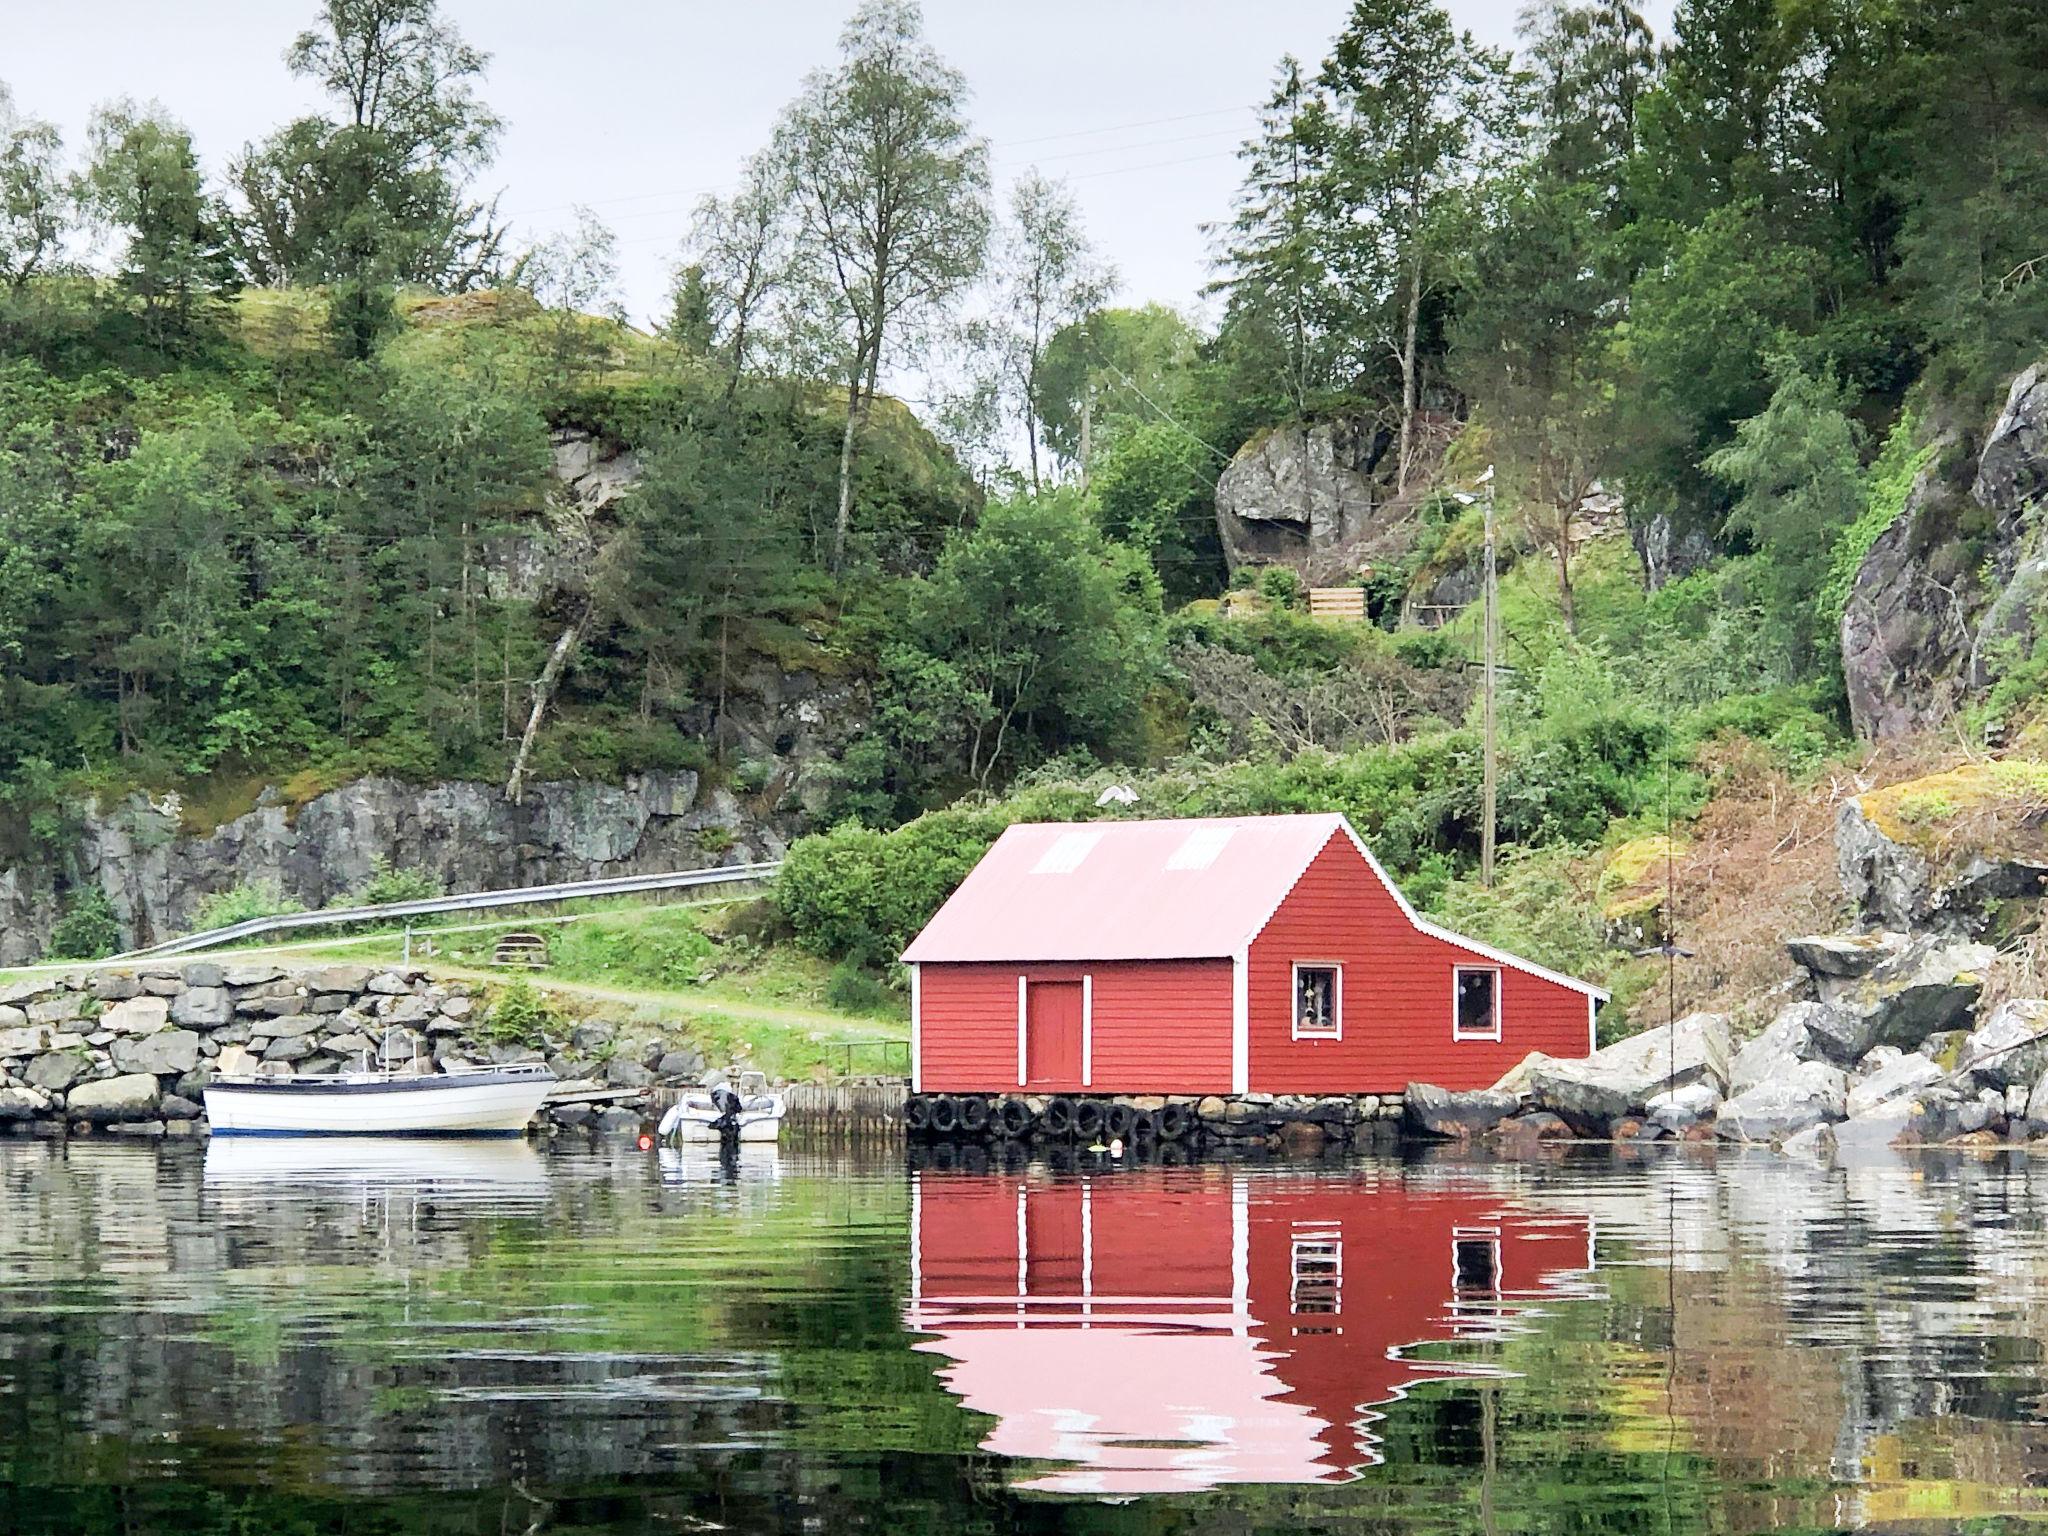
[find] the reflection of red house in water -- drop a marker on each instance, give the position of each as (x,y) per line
(1178,1329)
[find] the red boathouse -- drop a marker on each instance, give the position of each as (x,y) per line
(1263,954)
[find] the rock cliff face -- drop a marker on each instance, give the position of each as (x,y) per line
(466,834)
(1950,594)
(1312,497)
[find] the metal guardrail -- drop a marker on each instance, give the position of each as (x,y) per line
(883,1058)
(475,901)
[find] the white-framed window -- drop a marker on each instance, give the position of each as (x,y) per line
(1318,1000)
(1475,1263)
(1316,1270)
(1475,1002)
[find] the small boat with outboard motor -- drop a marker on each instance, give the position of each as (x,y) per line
(398,1097)
(748,1112)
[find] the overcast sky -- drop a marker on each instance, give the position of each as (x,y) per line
(637,107)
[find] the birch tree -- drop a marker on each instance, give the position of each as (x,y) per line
(1047,277)
(890,189)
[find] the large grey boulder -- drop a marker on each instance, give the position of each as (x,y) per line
(1811,1093)
(1900,1077)
(1832,958)
(1781,1046)
(1841,1034)
(1928,987)
(1683,1108)
(1593,1092)
(1306,495)
(2010,1047)
(169,1052)
(1429,1110)
(115,1099)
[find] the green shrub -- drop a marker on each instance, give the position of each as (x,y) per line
(387,884)
(257,899)
(853,988)
(857,894)
(1279,586)
(519,1014)
(87,928)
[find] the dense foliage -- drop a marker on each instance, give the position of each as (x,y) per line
(283,467)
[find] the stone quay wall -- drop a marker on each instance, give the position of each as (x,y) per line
(130,1051)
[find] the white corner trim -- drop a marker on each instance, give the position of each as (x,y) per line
(1241,1021)
(1500,1004)
(916,1029)
(1294,1029)
(1023,1007)
(1592,1025)
(1087,1034)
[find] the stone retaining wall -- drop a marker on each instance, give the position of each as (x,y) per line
(130,1052)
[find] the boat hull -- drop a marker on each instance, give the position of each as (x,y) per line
(760,1128)
(440,1105)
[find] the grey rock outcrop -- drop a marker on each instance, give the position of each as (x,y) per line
(1927,611)
(1897,885)
(464,834)
(1310,497)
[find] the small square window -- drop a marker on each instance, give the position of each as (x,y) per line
(1475,1264)
(1476,1014)
(1318,1002)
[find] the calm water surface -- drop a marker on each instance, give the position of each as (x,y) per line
(270,1337)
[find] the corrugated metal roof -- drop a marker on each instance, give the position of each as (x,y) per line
(1124,890)
(1150,890)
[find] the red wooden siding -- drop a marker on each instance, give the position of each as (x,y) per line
(1158,1026)
(1397,995)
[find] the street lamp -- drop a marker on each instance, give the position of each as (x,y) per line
(1489,608)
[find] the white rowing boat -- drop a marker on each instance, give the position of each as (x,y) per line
(464,1101)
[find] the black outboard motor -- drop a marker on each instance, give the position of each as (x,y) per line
(728,1122)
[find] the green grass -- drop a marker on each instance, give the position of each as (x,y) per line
(735,999)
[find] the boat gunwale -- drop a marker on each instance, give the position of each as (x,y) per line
(441,1081)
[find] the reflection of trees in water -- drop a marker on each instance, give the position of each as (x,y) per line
(628,1350)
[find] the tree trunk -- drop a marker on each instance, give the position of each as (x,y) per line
(1564,578)
(844,520)
(543,694)
(1409,393)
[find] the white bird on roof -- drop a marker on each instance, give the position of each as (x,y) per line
(1117,794)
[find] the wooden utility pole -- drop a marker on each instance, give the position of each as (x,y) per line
(1486,793)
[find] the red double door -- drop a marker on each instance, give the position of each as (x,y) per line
(1052,1034)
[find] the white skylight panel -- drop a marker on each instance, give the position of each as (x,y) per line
(1066,853)
(1198,850)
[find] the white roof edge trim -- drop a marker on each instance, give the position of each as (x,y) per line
(1423,925)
